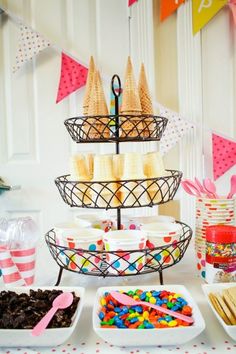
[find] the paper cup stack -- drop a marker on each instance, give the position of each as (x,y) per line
(163,234)
(122,261)
(210,212)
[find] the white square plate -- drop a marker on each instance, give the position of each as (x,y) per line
(217,288)
(155,336)
(51,336)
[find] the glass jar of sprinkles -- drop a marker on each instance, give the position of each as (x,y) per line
(220,254)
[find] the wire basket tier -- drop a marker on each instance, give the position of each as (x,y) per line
(133,262)
(116,128)
(119,194)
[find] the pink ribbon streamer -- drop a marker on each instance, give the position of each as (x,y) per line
(232,5)
(131,2)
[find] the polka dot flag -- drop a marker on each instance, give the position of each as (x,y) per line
(224,155)
(176,128)
(29,45)
(73,76)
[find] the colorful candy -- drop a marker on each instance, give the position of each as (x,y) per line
(115,315)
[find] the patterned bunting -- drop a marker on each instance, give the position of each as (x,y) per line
(204,11)
(168,7)
(176,128)
(30,44)
(224,154)
(131,2)
(73,76)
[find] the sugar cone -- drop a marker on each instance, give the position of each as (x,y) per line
(146,103)
(131,127)
(79,172)
(88,88)
(97,128)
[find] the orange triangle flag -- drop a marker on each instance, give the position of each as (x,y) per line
(168,7)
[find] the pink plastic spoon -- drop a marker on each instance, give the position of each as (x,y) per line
(210,187)
(201,188)
(62,301)
(233,187)
(189,189)
(128,301)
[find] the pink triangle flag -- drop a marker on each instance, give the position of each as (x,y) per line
(29,45)
(224,155)
(131,2)
(73,76)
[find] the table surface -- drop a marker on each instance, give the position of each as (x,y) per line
(84,340)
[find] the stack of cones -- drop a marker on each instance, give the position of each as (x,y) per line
(146,104)
(88,87)
(80,172)
(104,193)
(95,105)
(131,127)
(154,167)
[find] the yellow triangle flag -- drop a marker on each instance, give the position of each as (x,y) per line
(204,10)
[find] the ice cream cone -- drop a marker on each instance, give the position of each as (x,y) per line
(79,172)
(105,193)
(130,126)
(97,128)
(133,193)
(146,103)
(154,167)
(88,88)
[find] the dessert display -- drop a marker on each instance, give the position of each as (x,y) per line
(112,314)
(24,311)
(116,181)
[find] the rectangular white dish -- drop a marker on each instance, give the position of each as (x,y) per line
(214,288)
(51,336)
(144,337)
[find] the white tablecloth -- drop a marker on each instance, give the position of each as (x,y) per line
(85,341)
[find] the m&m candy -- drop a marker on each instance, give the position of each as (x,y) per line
(115,315)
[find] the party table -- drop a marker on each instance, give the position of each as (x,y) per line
(84,340)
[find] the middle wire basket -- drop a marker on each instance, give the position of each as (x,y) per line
(119,194)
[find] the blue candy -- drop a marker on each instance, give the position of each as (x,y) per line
(149,325)
(101,315)
(143,296)
(117,309)
(138,309)
(133,320)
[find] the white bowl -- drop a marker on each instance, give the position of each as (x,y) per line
(51,336)
(162,228)
(214,288)
(155,336)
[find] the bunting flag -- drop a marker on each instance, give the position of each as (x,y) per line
(131,2)
(29,45)
(73,76)
(176,128)
(204,11)
(168,7)
(224,155)
(232,6)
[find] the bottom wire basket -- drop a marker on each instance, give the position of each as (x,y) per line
(118,263)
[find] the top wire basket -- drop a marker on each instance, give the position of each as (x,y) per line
(116,128)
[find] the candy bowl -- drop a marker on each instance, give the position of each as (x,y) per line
(121,335)
(51,336)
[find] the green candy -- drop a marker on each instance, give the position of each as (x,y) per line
(104,323)
(111,321)
(147,299)
(131,311)
(170,305)
(141,326)
(131,293)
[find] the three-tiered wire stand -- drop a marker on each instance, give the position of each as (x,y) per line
(78,194)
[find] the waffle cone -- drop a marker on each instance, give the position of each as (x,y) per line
(146,103)
(88,87)
(97,128)
(130,105)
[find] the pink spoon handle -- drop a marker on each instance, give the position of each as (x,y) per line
(40,327)
(168,312)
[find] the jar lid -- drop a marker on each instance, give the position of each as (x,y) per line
(221,234)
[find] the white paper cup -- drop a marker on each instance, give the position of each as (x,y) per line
(86,240)
(122,262)
(163,234)
(97,221)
